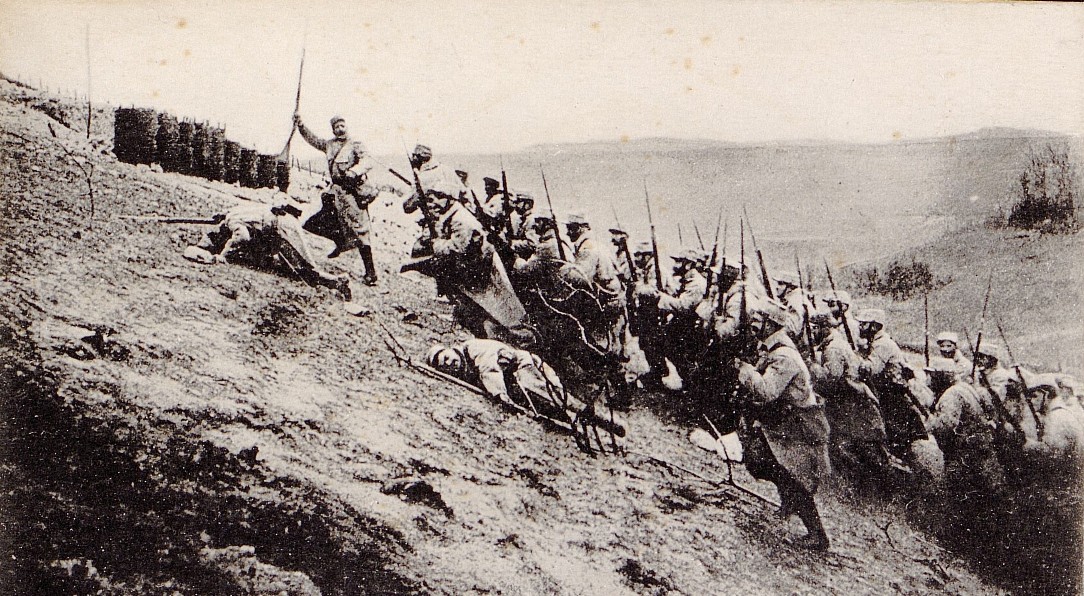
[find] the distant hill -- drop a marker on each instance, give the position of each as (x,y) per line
(849,202)
(1037,296)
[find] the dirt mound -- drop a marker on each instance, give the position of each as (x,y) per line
(215,430)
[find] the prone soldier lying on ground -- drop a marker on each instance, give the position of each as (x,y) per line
(519,378)
(266,237)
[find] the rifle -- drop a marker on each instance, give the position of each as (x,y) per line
(553,214)
(807,329)
(699,240)
(722,271)
(926,328)
(1023,384)
(760,257)
(743,321)
(654,241)
(423,203)
(164,219)
(714,256)
(506,204)
(842,313)
(681,241)
(284,155)
(982,323)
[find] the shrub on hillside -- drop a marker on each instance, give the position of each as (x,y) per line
(1045,197)
(900,281)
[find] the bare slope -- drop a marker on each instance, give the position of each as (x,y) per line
(221,430)
(1037,281)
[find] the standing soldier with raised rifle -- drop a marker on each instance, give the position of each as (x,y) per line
(346,201)
(680,309)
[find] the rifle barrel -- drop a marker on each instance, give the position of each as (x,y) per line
(556,228)
(654,241)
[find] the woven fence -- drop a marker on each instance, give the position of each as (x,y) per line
(144,136)
(134,135)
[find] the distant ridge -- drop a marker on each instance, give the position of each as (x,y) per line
(653,144)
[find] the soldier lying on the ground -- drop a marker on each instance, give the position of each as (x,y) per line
(521,378)
(265,237)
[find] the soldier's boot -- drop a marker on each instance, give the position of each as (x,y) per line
(370,269)
(340,248)
(817,538)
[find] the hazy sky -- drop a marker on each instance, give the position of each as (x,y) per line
(497,76)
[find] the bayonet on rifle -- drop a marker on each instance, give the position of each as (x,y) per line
(842,313)
(553,214)
(654,241)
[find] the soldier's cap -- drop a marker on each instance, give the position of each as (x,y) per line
(948,336)
(940,365)
(617,229)
(823,318)
(491,182)
(523,196)
(462,174)
(871,315)
(840,296)
(643,248)
(422,151)
(789,278)
(690,255)
(540,219)
(1038,380)
(576,219)
(992,350)
(771,310)
(337,119)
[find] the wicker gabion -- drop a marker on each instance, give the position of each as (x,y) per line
(199,150)
(134,132)
(246,168)
(231,160)
(214,156)
(184,147)
(265,172)
(282,175)
(170,156)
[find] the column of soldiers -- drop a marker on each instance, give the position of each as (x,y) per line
(807,385)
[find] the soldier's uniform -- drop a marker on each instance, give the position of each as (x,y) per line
(646,322)
(947,344)
(960,423)
(347,200)
(519,377)
(798,306)
(857,429)
(265,236)
(682,329)
(785,435)
(882,367)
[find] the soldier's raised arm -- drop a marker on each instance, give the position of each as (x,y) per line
(308,135)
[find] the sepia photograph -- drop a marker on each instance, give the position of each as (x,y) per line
(586,297)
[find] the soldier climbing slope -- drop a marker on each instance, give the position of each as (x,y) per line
(265,236)
(344,215)
(785,433)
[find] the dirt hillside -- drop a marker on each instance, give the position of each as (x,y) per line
(175,428)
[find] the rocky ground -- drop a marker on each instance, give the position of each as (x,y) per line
(175,428)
